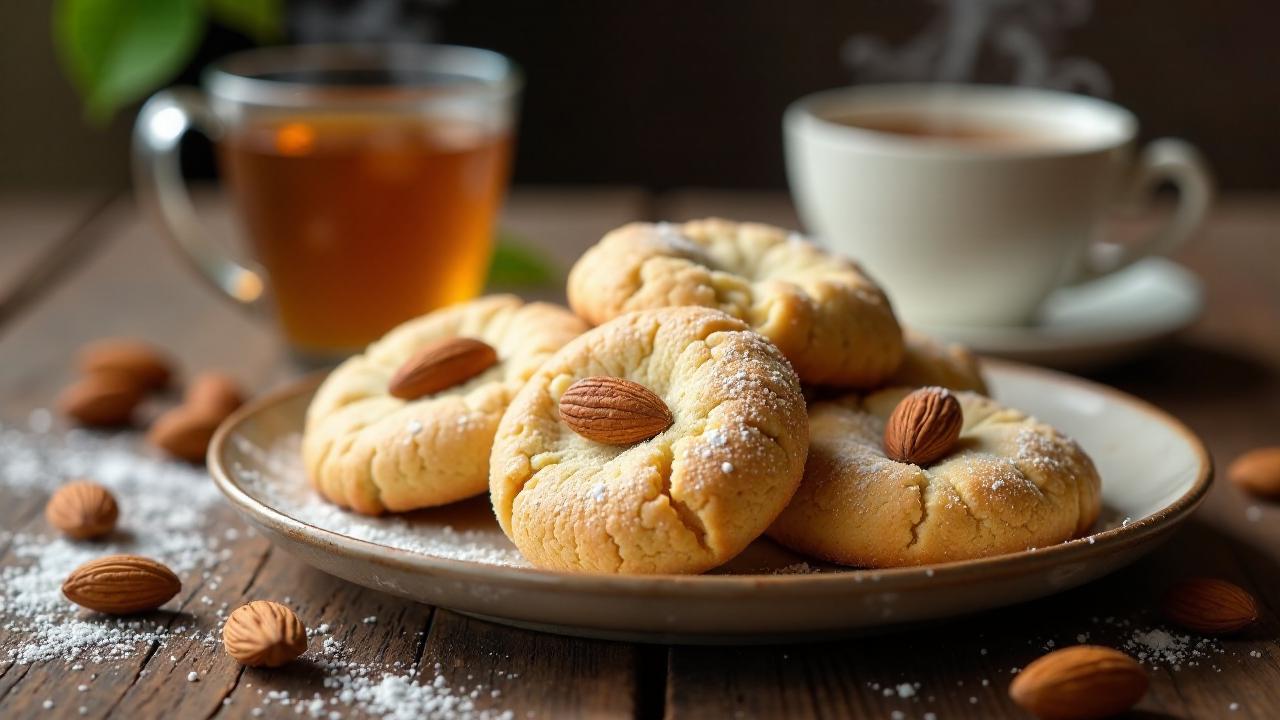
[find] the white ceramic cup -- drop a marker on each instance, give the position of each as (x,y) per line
(979,232)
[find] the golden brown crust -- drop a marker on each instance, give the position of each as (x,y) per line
(371,452)
(830,320)
(686,500)
(929,361)
(1013,483)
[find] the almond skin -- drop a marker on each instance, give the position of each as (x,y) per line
(184,432)
(214,393)
(613,411)
(1082,682)
(121,585)
(1209,606)
(148,367)
(924,427)
(1257,472)
(264,634)
(82,510)
(441,365)
(100,400)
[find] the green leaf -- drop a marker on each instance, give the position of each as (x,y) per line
(260,20)
(119,51)
(516,264)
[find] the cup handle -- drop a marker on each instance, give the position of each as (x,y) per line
(1163,160)
(157,174)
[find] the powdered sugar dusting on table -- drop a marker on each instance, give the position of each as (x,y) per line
(165,510)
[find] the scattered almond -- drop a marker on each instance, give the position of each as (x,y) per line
(1257,472)
(923,427)
(1082,682)
(215,394)
(82,510)
(264,634)
(100,400)
(184,432)
(613,411)
(441,365)
(1210,606)
(121,585)
(149,368)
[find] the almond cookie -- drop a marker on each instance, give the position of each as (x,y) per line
(929,361)
(830,320)
(371,451)
(687,499)
(1009,484)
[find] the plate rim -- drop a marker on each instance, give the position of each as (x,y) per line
(1017,563)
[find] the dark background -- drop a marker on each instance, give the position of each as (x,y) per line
(669,93)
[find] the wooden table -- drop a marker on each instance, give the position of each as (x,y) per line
(73,268)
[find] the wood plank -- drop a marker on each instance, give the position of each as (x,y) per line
(534,672)
(1222,378)
(135,285)
(40,237)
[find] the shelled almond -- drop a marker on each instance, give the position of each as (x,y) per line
(441,365)
(214,393)
(924,426)
(145,365)
(1210,606)
(121,585)
(613,411)
(1257,472)
(264,634)
(82,510)
(100,400)
(1082,682)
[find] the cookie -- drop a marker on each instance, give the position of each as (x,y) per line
(830,320)
(928,362)
(367,450)
(1011,483)
(684,501)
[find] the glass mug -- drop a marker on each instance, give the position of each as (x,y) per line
(367,179)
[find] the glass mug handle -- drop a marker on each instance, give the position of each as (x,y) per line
(1164,160)
(157,172)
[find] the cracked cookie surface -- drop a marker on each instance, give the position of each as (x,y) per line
(366,450)
(1011,483)
(831,321)
(684,501)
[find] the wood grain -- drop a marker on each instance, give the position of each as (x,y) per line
(42,235)
(1222,377)
(135,285)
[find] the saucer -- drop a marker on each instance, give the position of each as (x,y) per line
(1100,323)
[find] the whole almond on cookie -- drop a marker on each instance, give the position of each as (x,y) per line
(214,393)
(1082,682)
(1209,606)
(441,365)
(264,634)
(121,585)
(82,510)
(1257,472)
(613,411)
(923,427)
(148,367)
(184,432)
(100,400)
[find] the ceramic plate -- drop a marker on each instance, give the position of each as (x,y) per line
(1099,323)
(1155,472)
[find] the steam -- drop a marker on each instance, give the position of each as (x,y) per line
(964,34)
(314,21)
